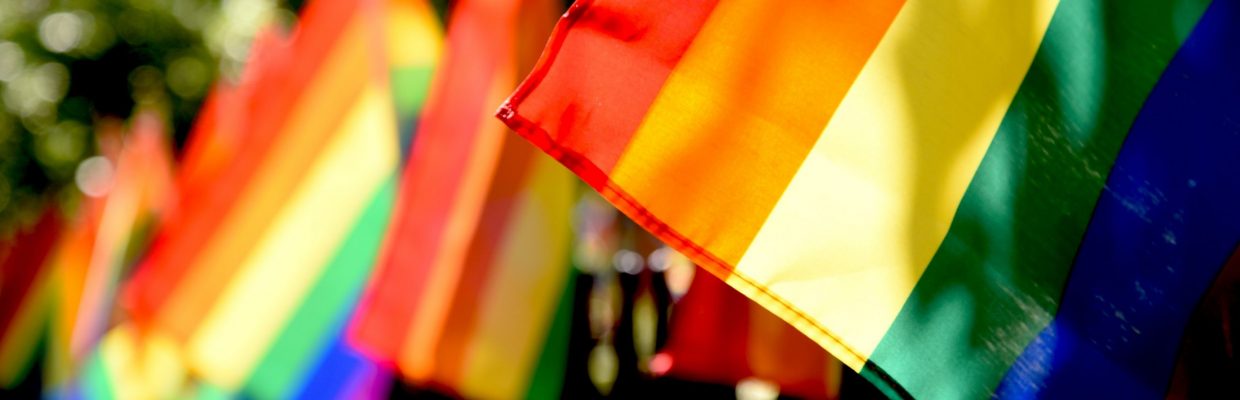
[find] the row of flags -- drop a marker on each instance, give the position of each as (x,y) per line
(347,213)
(60,276)
(956,199)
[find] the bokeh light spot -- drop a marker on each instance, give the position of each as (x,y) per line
(50,82)
(94,176)
(12,61)
(188,77)
(66,142)
(660,364)
(627,261)
(61,32)
(756,389)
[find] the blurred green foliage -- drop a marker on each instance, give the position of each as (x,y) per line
(67,64)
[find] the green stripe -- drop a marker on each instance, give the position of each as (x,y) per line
(206,391)
(309,331)
(409,88)
(997,278)
(548,379)
(410,85)
(95,383)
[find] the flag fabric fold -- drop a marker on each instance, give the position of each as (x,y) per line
(956,199)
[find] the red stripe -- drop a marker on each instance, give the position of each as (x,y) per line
(21,261)
(650,36)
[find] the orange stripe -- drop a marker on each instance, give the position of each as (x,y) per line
(299,142)
(742,109)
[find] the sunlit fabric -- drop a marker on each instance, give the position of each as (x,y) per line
(470,293)
(950,197)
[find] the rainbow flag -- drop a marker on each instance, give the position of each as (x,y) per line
(472,276)
(957,199)
(504,335)
(444,183)
(286,192)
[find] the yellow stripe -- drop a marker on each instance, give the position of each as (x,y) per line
(414,33)
(276,276)
(523,291)
(117,350)
(141,365)
(870,205)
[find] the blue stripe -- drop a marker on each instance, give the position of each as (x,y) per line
(1167,221)
(336,368)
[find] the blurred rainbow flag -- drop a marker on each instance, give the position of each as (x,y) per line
(470,291)
(59,279)
(958,199)
(286,190)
